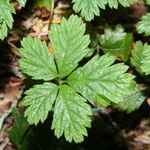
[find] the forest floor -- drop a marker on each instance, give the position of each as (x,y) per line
(111,129)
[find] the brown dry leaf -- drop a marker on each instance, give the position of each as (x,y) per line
(12,92)
(139,138)
(39,23)
(138,9)
(8,147)
(11,40)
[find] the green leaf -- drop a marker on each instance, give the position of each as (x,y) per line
(39,100)
(131,102)
(137,56)
(36,61)
(89,8)
(116,42)
(71,115)
(115,3)
(69,44)
(140,58)
(100,77)
(143,26)
(17,133)
(6,19)
(43,3)
(22,2)
(97,81)
(146,60)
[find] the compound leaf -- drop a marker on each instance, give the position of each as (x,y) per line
(100,77)
(143,26)
(89,8)
(97,81)
(39,100)
(137,56)
(36,60)
(131,102)
(117,42)
(69,44)
(71,115)
(6,19)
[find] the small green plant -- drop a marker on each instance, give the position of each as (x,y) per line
(69,87)
(81,72)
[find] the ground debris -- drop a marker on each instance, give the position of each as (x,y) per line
(38,24)
(139,138)
(10,94)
